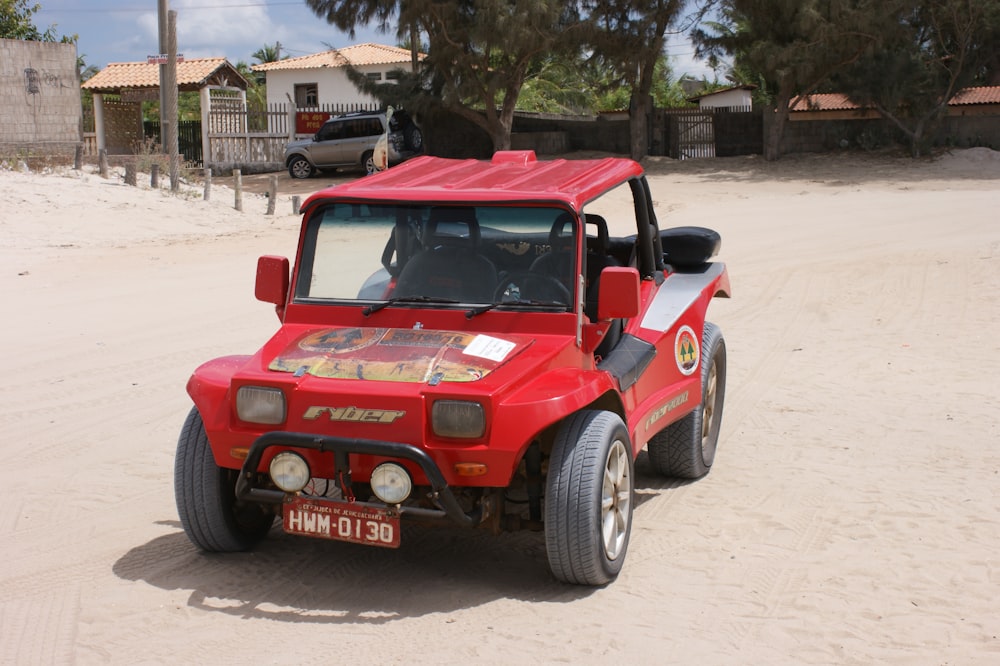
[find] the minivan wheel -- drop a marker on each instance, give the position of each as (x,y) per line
(414,138)
(299,167)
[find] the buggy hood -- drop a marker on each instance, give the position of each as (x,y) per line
(397,354)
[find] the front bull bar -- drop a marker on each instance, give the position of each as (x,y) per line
(342,446)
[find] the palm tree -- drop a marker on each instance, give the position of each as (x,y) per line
(268,53)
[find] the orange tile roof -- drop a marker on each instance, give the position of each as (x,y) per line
(357,55)
(331,58)
(979,95)
(823,102)
(839,102)
(190,73)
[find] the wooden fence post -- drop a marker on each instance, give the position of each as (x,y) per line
(102,160)
(154,175)
(296,200)
(238,188)
(272,194)
(208,183)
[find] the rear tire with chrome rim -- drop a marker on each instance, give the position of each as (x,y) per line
(686,449)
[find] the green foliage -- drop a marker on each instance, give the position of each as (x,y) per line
(480,52)
(626,38)
(790,47)
(925,52)
(268,53)
(257,90)
(610,95)
(17,22)
(556,84)
(188,107)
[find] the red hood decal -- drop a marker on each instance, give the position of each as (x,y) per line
(401,355)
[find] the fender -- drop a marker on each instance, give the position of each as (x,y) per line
(679,292)
(548,399)
(209,389)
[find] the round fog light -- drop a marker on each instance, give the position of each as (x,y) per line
(289,471)
(391,483)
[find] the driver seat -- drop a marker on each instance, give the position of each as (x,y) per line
(450,265)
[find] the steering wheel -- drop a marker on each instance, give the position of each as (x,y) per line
(531,286)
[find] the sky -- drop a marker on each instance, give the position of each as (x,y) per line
(127,30)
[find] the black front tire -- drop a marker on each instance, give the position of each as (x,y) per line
(589,496)
(686,448)
(414,138)
(299,167)
(206,501)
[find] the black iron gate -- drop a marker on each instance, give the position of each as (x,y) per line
(695,135)
(188,138)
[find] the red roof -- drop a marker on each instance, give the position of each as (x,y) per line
(839,102)
(509,176)
(980,95)
(823,102)
(192,73)
(357,55)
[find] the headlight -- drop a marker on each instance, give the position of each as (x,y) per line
(458,419)
(289,471)
(391,483)
(257,404)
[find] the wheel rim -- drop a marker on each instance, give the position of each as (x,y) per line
(616,500)
(301,169)
(708,413)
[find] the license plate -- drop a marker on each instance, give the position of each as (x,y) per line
(341,521)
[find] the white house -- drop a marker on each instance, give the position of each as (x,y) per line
(320,79)
(736,96)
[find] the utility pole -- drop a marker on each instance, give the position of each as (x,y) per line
(162,7)
(168,116)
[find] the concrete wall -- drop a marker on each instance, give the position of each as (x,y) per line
(962,131)
(39,99)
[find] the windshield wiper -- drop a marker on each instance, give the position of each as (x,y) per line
(469,314)
(371,309)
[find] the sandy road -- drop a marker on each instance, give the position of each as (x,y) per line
(852,515)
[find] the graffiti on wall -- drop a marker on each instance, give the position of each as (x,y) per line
(35,80)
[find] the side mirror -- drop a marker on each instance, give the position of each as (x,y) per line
(272,280)
(618,297)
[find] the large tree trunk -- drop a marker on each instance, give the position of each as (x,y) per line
(776,130)
(500,136)
(640,108)
(638,126)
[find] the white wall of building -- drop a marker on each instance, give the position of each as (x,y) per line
(738,97)
(333,86)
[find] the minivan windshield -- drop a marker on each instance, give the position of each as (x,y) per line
(487,255)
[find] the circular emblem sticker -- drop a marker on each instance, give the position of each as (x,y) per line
(340,340)
(686,350)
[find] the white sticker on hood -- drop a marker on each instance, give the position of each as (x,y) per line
(485,346)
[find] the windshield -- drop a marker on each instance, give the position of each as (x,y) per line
(484,255)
